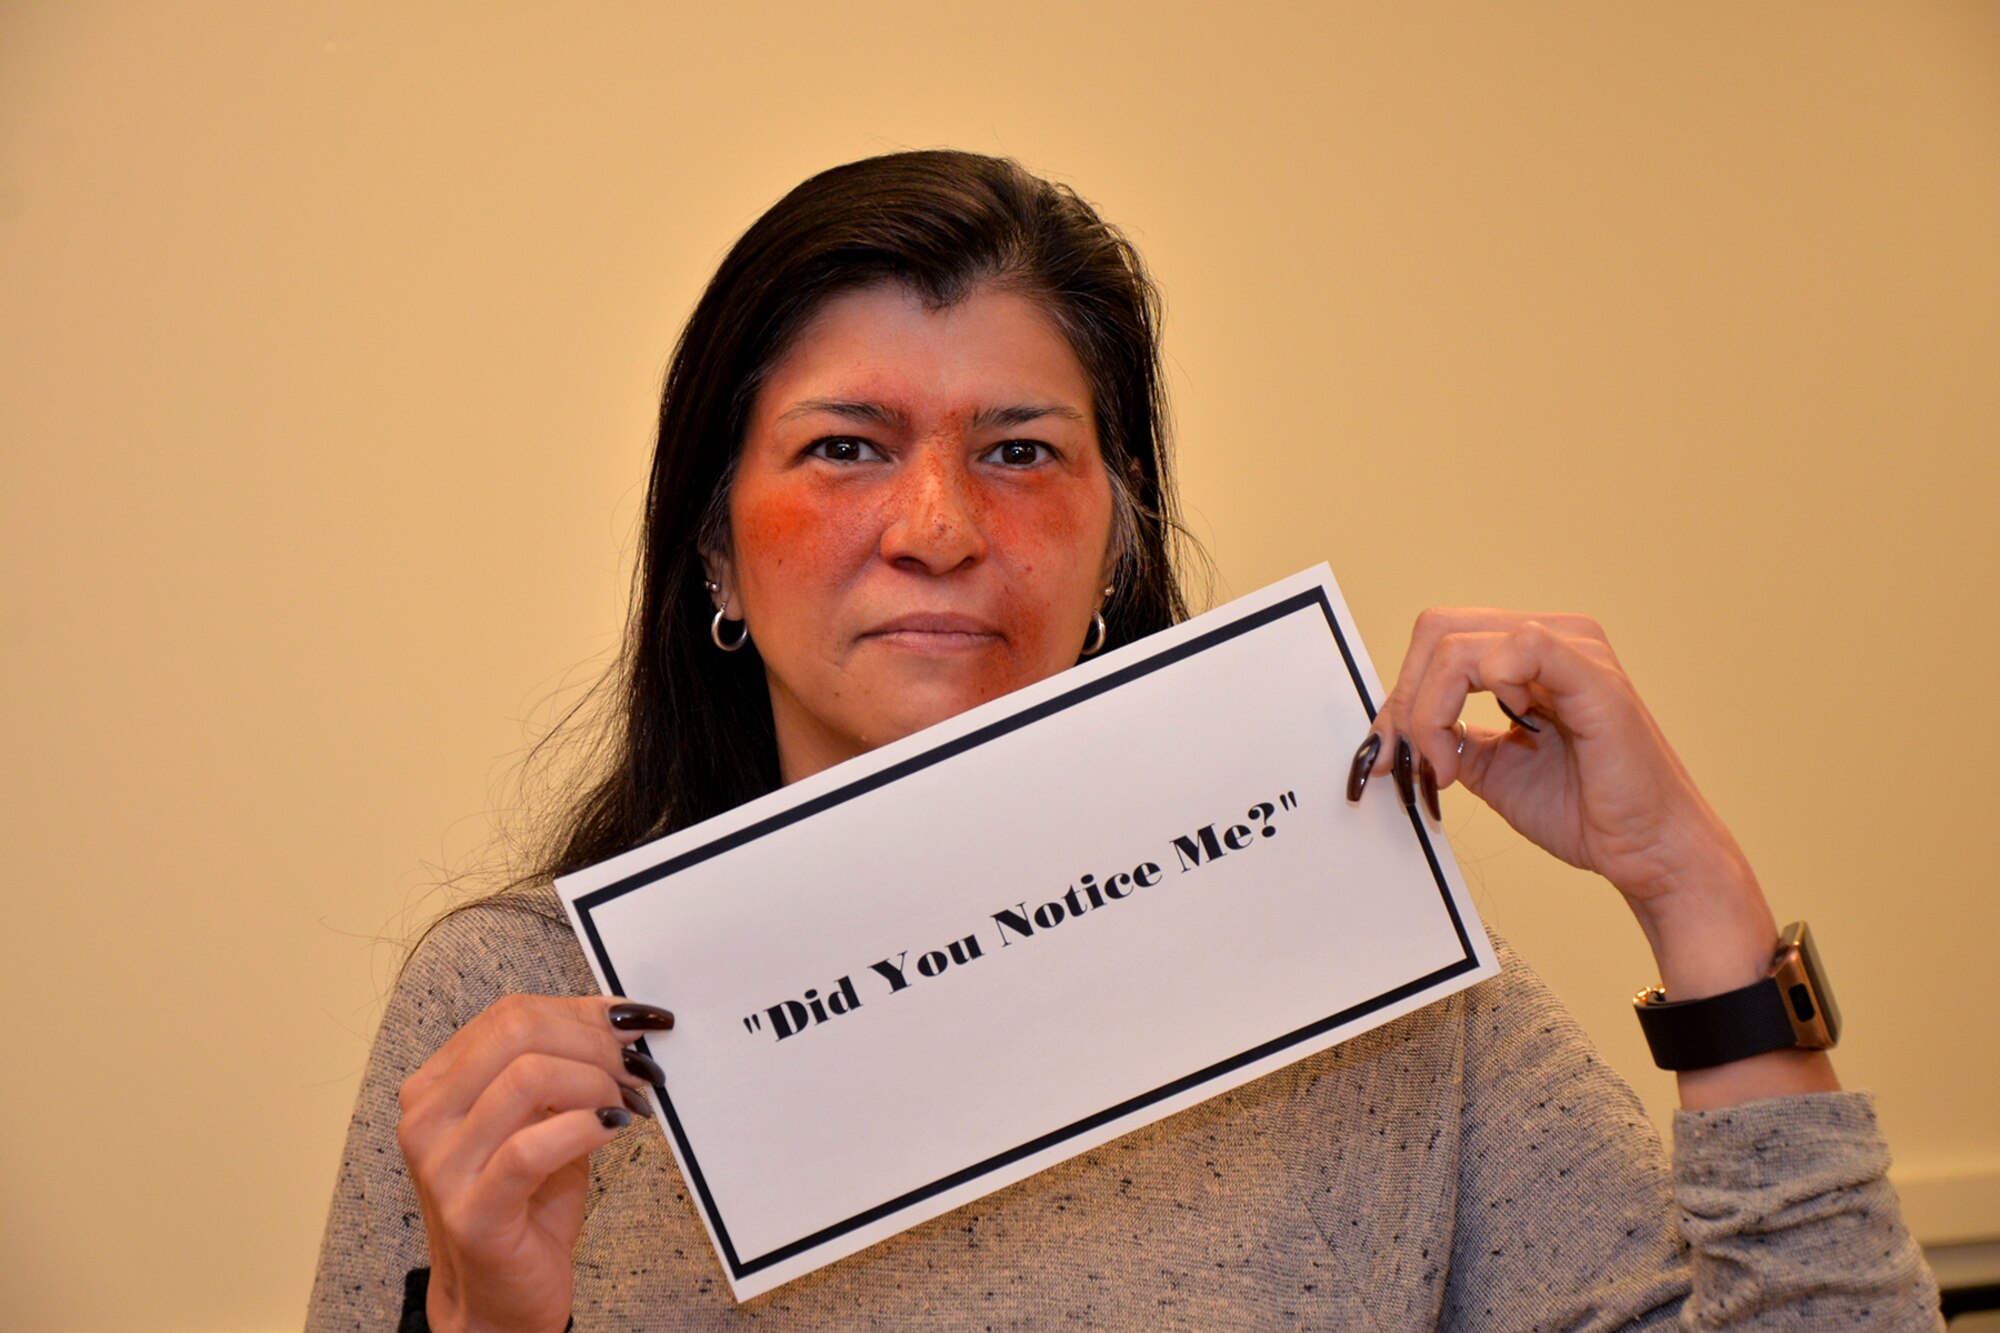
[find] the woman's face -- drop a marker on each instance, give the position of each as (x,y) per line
(920,517)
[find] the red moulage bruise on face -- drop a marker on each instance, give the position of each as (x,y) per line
(920,517)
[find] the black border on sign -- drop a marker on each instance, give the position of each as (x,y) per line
(1244,624)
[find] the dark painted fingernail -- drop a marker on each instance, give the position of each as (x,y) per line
(1515,717)
(1364,759)
(1427,783)
(635,1102)
(638,1064)
(613,1117)
(634,1017)
(1404,766)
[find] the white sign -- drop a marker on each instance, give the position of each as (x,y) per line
(936,969)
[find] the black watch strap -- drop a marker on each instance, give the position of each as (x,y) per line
(416,1299)
(1714,1030)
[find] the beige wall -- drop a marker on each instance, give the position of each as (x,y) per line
(331,334)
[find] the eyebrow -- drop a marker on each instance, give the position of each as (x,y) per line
(881,414)
(873,414)
(1022,414)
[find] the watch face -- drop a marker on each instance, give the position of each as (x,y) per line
(1809,1001)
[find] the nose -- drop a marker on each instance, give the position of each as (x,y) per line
(935,525)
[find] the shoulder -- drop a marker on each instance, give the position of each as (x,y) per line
(1515,1010)
(1527,1052)
(515,942)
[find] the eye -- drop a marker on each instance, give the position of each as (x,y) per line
(844,449)
(1020,453)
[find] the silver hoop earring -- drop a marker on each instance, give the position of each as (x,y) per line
(1096,639)
(715,633)
(715,625)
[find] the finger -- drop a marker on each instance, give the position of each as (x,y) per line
(1363,764)
(1575,680)
(1482,746)
(1534,700)
(513,1022)
(521,1165)
(573,1028)
(635,1102)
(1522,667)
(642,1067)
(1459,667)
(531,1089)
(1430,719)
(1519,719)
(1456,671)
(1435,624)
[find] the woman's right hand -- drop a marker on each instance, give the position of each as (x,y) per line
(497,1128)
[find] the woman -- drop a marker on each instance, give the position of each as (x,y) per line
(910,458)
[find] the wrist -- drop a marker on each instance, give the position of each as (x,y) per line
(1789,1073)
(445,1313)
(447,1318)
(1710,932)
(1726,944)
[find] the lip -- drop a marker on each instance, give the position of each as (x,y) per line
(936,630)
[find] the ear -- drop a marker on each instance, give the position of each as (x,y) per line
(718,570)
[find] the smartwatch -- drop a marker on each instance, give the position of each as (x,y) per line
(1791,1007)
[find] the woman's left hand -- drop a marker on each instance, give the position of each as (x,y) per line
(1586,774)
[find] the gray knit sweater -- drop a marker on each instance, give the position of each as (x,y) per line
(1471,1166)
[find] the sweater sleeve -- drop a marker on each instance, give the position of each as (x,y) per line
(374,1230)
(1791,1221)
(1566,1215)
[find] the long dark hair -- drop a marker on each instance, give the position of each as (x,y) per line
(690,732)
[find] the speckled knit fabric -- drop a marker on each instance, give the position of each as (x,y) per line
(1470,1166)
